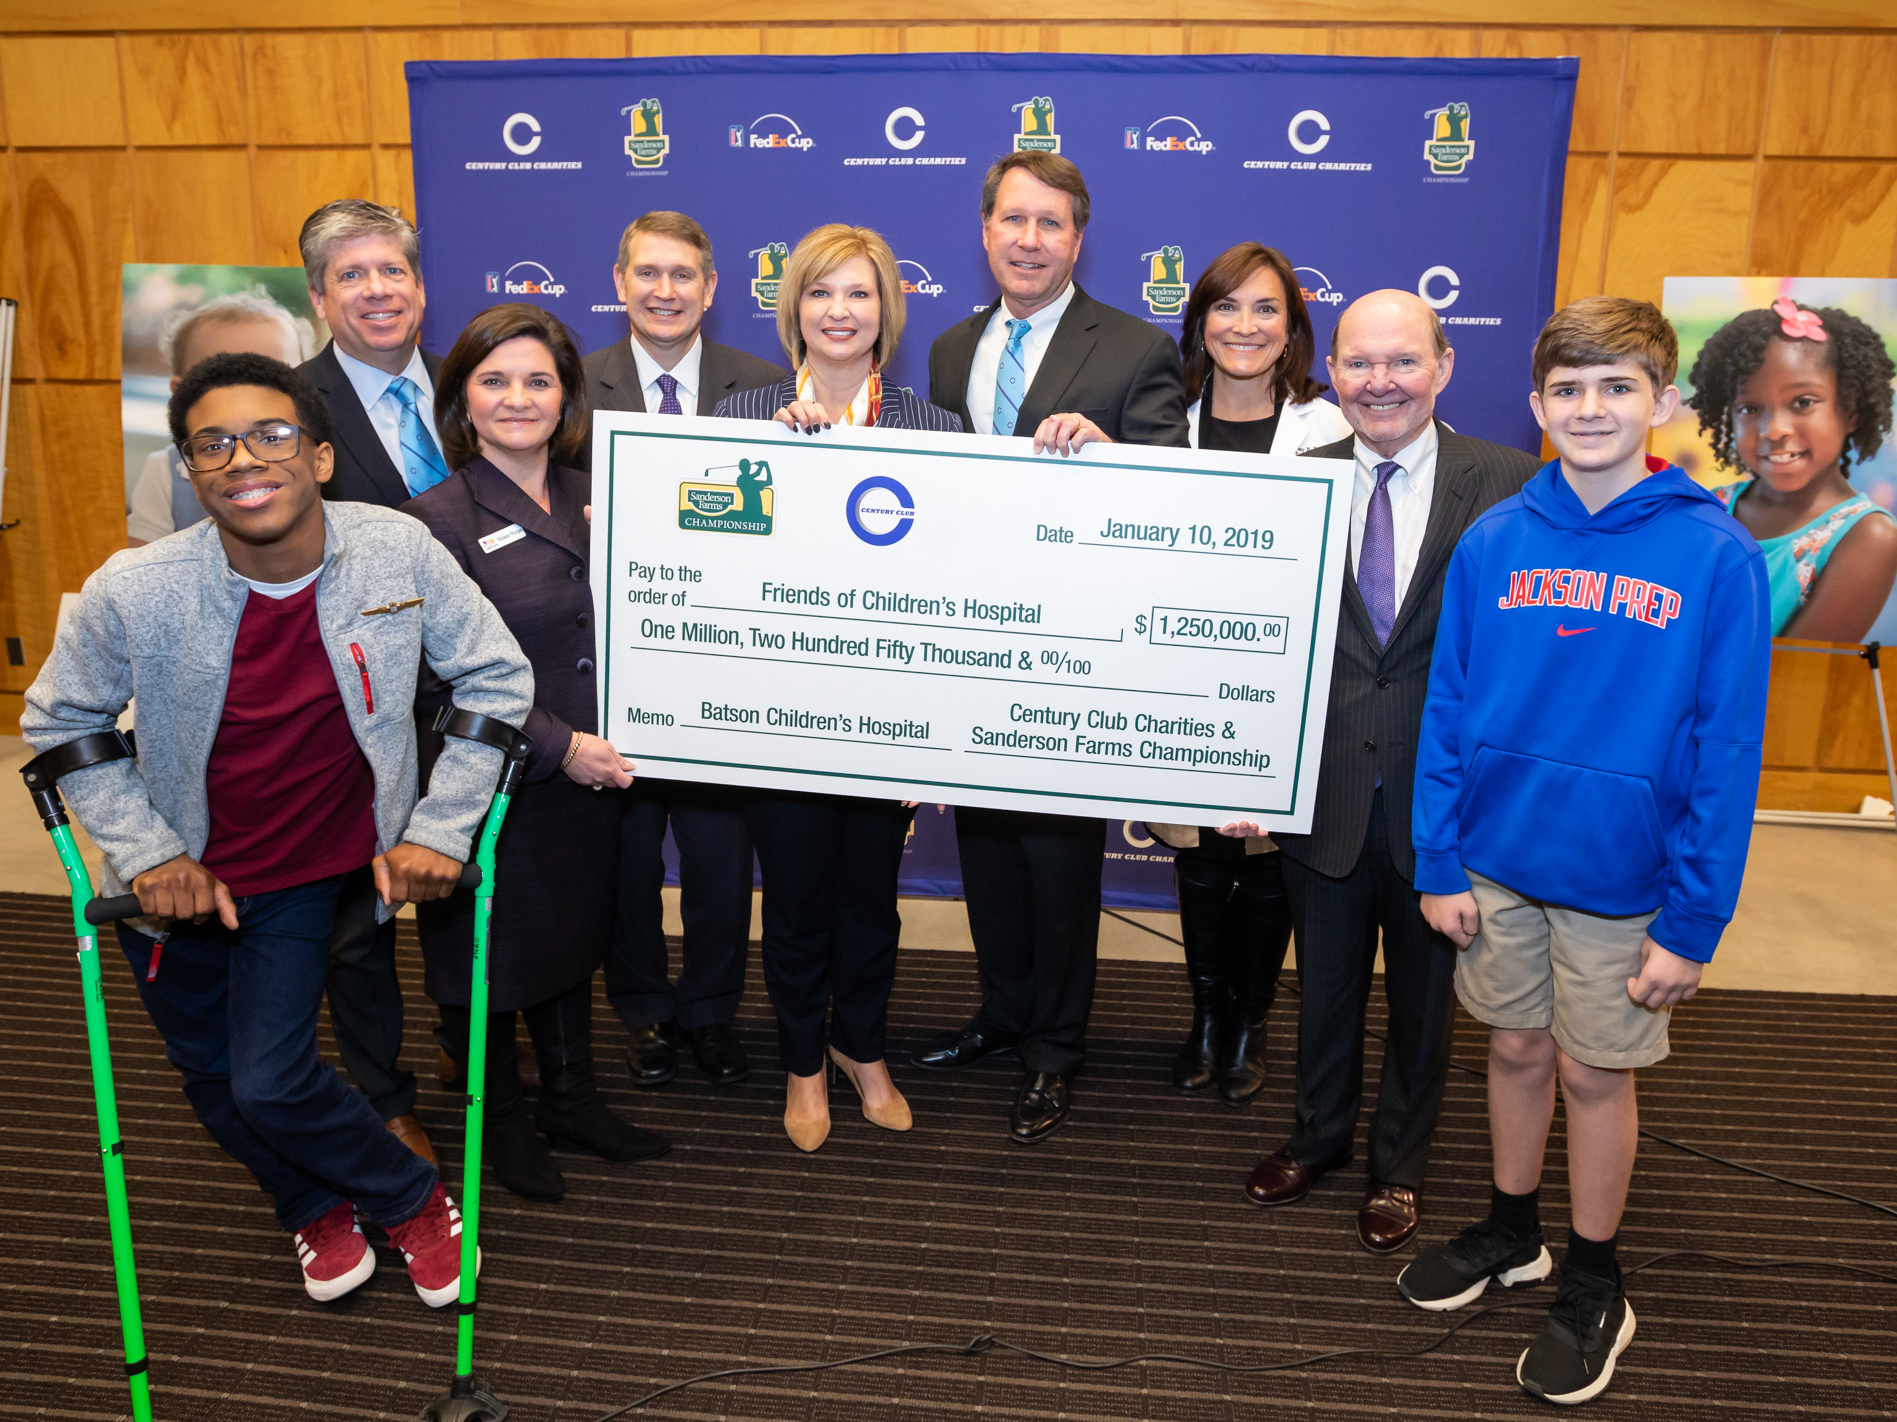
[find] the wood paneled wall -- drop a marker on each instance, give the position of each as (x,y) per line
(204,130)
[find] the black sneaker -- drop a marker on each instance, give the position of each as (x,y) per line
(1450,1275)
(1573,1358)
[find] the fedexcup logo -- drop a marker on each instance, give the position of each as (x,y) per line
(1166,288)
(917,281)
(1174,133)
(533,280)
(1449,148)
(770,273)
(647,143)
(1316,288)
(879,511)
(732,498)
(768,131)
(1037,127)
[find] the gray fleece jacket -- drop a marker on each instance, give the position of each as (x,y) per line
(158,623)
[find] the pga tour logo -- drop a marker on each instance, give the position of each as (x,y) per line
(916,280)
(1172,134)
(769,131)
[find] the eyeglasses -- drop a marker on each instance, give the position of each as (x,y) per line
(205,454)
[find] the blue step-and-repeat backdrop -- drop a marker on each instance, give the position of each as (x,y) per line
(1440,176)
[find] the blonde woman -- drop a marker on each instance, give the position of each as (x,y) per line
(830,861)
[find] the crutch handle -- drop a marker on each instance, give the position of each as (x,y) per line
(101,911)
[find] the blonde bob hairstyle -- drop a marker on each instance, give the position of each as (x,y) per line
(821,252)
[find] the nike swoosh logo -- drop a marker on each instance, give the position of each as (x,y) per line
(1561,631)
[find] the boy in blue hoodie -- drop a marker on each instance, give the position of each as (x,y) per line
(1584,795)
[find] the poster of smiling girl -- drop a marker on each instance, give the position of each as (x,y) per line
(1788,416)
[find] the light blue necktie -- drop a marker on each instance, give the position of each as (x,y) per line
(422,466)
(1011,379)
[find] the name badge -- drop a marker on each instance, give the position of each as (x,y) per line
(513,533)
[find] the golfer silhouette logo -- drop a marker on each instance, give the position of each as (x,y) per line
(1449,148)
(770,273)
(744,504)
(1166,287)
(1037,127)
(647,143)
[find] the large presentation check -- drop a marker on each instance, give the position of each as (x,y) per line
(1131,633)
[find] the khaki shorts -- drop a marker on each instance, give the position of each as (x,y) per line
(1536,965)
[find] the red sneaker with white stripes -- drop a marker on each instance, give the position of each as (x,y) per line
(334,1255)
(431,1243)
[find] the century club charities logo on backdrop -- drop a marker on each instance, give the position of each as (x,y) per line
(770,259)
(916,280)
(1316,288)
(522,136)
(647,142)
(1307,135)
(1441,288)
(1166,288)
(777,132)
(1449,148)
(1037,126)
(904,129)
(731,498)
(1174,133)
(525,279)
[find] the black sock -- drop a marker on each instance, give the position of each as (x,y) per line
(1520,1215)
(1592,1256)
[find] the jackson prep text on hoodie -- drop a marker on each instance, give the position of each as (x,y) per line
(1596,706)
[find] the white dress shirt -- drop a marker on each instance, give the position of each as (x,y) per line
(685,373)
(384,410)
(1410,489)
(986,367)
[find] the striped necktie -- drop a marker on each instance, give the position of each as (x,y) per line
(422,466)
(1011,379)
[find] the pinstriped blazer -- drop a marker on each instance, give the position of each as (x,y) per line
(1377,692)
(902,408)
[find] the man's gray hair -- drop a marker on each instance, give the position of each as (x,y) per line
(253,305)
(345,220)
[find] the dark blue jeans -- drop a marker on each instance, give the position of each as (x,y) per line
(238,1015)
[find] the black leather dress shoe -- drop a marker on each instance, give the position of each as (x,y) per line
(964,1048)
(652,1054)
(1040,1105)
(719,1053)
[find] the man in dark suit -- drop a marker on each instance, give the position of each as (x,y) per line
(1418,486)
(1050,362)
(665,277)
(364,269)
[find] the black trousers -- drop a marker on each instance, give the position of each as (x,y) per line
(365,999)
(1234,919)
(1337,922)
(1032,886)
(830,920)
(714,875)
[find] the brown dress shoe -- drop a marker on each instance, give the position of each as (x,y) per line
(1279,1180)
(409,1132)
(1387,1219)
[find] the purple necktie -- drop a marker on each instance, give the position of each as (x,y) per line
(669,405)
(1376,566)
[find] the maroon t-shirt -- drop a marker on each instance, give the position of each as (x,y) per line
(292,796)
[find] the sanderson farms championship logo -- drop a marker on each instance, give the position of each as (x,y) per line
(648,143)
(743,505)
(1449,148)
(1037,127)
(770,273)
(1166,289)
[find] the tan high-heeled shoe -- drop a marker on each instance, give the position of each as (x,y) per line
(809,1132)
(893,1117)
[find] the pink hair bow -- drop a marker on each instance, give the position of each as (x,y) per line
(1796,323)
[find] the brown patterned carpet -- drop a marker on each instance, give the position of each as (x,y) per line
(1125,1233)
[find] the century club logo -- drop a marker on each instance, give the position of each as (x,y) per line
(916,281)
(1174,133)
(769,131)
(879,511)
(525,279)
(1316,288)
(1166,288)
(1449,148)
(731,498)
(647,143)
(770,273)
(1037,127)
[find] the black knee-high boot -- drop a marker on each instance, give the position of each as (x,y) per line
(509,1142)
(571,1110)
(1258,928)
(1202,900)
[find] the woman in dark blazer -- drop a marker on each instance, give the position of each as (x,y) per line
(830,861)
(509,401)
